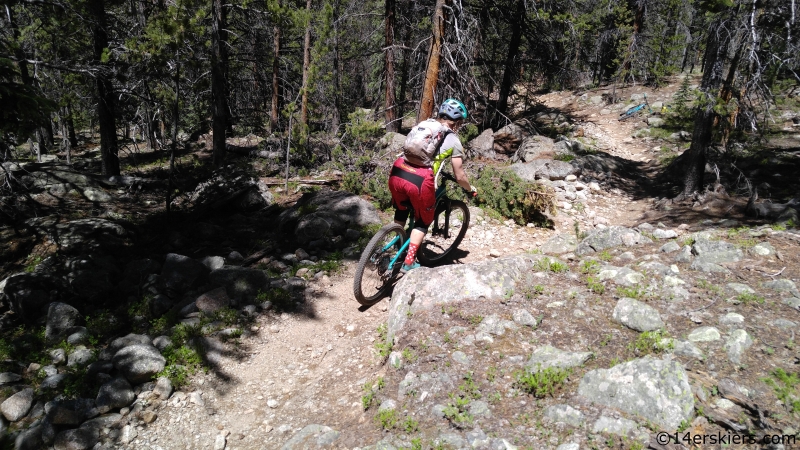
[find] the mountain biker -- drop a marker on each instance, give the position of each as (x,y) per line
(413,174)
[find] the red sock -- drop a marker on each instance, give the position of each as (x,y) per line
(412,254)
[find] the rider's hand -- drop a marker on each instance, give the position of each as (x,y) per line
(472,192)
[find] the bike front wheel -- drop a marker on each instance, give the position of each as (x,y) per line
(373,276)
(450,223)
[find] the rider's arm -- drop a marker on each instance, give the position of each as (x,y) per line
(458,171)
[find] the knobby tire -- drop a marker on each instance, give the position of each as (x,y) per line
(436,246)
(372,280)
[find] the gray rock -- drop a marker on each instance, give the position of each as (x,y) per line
(182,273)
(213,300)
(17,406)
(450,440)
(58,356)
(569,446)
(763,249)
(793,302)
(670,247)
(163,388)
(707,267)
(685,348)
(80,336)
(479,408)
(28,293)
(783,285)
(422,289)
(548,356)
(732,320)
(128,434)
(565,414)
(482,146)
(477,438)
(115,394)
(620,275)
(213,262)
(494,325)
(311,437)
(240,282)
(96,424)
(53,381)
(684,255)
(637,315)
(139,363)
(704,334)
(656,389)
(784,324)
(461,358)
(716,252)
(524,318)
(739,288)
(736,344)
(80,357)
(544,168)
(30,439)
(71,412)
(122,342)
(620,427)
(62,319)
(162,342)
(560,244)
(387,404)
(614,236)
(9,378)
(334,212)
(534,147)
(136,272)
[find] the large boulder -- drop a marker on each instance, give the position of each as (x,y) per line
(482,146)
(311,437)
(614,236)
(548,356)
(17,406)
(508,138)
(559,244)
(139,363)
(657,390)
(422,289)
(115,394)
(89,235)
(28,293)
(62,320)
(715,252)
(240,283)
(331,214)
(182,273)
(391,142)
(76,439)
(535,147)
(544,168)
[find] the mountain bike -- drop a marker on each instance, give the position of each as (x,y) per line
(382,258)
(635,110)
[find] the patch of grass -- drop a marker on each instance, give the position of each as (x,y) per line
(383,344)
(636,291)
(409,355)
(31,266)
(605,255)
(542,383)
(182,362)
(702,283)
(651,342)
(491,373)
(469,388)
(595,285)
(370,390)
(530,291)
(555,266)
(566,157)
(475,319)
(590,266)
(456,411)
(606,339)
(410,425)
(785,386)
(281,299)
(747,298)
(387,418)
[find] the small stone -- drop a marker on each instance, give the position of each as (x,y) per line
(461,358)
(128,434)
(732,320)
(272,403)
(163,388)
(196,398)
(524,318)
(220,442)
(387,405)
(494,253)
(149,416)
(704,334)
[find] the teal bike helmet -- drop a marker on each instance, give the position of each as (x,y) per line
(453,109)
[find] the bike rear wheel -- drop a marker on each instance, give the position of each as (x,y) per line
(373,277)
(629,114)
(450,223)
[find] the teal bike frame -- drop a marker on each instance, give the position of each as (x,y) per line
(440,196)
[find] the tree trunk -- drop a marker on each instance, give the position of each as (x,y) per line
(428,101)
(404,68)
(276,84)
(513,48)
(695,161)
(73,140)
(219,91)
(174,146)
(306,68)
(337,96)
(105,93)
(390,103)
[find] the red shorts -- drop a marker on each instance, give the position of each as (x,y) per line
(414,184)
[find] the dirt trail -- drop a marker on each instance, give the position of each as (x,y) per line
(309,368)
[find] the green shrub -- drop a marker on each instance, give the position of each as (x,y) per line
(467,133)
(456,411)
(543,382)
(505,192)
(784,384)
(656,341)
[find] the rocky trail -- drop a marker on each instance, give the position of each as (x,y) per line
(627,321)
